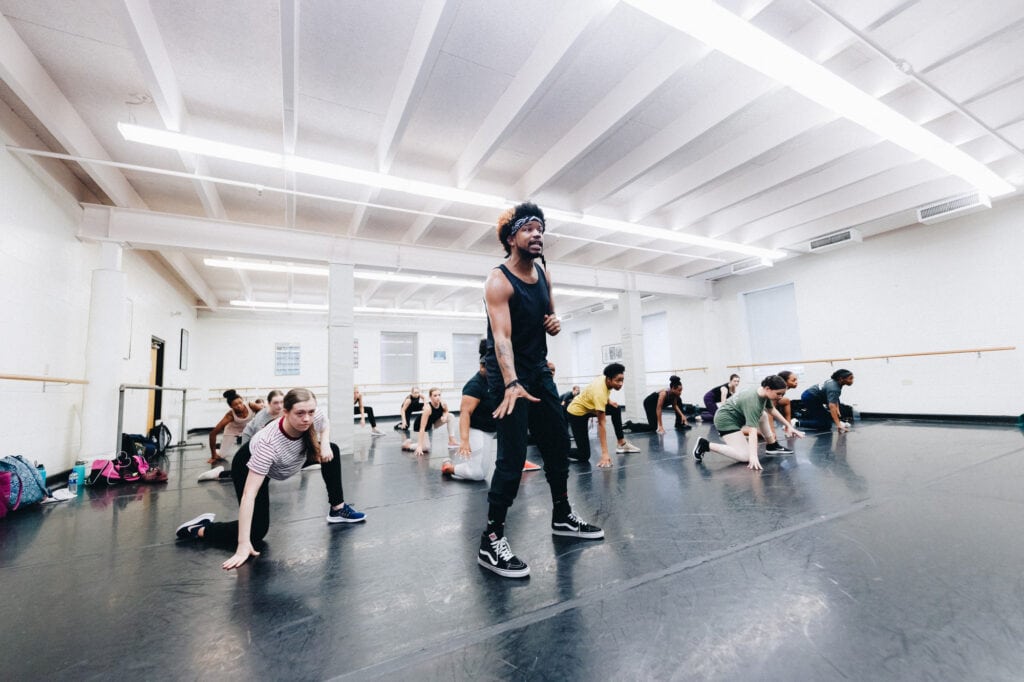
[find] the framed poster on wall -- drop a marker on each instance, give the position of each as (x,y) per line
(611,353)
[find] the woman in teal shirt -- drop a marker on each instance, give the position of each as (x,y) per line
(742,417)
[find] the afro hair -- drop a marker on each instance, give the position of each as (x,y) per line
(509,218)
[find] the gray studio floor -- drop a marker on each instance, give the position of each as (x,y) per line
(893,552)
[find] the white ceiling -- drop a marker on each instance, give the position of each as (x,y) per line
(581,105)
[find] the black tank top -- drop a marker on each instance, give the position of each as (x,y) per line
(718,392)
(527,307)
(415,405)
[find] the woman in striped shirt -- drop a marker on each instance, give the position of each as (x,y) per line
(277,452)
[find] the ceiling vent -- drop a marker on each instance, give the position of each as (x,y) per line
(953,208)
(834,240)
(602,307)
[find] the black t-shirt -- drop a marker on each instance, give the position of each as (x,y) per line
(482,418)
(415,405)
(566,398)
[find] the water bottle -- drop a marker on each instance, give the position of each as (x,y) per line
(73,482)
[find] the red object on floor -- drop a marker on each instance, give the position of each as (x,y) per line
(530,466)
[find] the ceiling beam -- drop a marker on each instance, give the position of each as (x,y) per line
(614,109)
(14,132)
(27,78)
(181,265)
(431,30)
(147,44)
(289,96)
(547,61)
(149,229)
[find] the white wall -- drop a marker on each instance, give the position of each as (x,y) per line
(238,352)
(949,286)
(45,280)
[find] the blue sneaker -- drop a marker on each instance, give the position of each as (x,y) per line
(345,515)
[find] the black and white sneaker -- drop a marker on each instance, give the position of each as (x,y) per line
(496,555)
(702,447)
(777,448)
(190,529)
(573,526)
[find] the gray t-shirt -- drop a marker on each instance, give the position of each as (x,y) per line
(827,391)
(261,419)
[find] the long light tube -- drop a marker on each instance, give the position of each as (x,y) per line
(383,276)
(720,29)
(323,169)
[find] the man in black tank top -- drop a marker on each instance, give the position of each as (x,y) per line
(520,312)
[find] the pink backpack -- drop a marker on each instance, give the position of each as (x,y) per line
(121,469)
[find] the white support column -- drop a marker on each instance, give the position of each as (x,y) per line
(631,324)
(340,374)
(103,356)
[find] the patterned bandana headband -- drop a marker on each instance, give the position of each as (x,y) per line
(517,225)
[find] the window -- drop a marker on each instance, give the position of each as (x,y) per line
(286,359)
(465,356)
(398,358)
(584,367)
(657,360)
(772,324)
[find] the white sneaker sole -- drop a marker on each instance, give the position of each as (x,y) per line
(503,572)
(191,522)
(342,519)
(570,533)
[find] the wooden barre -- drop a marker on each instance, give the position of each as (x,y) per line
(791,362)
(47,380)
(878,357)
(937,352)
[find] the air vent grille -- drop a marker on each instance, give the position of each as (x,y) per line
(951,208)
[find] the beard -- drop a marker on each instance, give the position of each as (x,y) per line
(526,254)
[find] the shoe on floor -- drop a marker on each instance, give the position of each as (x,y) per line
(447,468)
(311,467)
(777,448)
(573,526)
(211,475)
(496,555)
(530,466)
(626,447)
(702,447)
(190,529)
(683,427)
(376,432)
(345,515)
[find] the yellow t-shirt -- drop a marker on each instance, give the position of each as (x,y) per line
(594,398)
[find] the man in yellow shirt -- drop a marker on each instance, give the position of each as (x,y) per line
(595,401)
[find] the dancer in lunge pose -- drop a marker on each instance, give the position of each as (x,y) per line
(276,452)
(742,417)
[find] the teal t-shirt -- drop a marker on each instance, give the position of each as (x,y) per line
(743,409)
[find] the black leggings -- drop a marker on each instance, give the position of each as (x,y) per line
(226,534)
(579,430)
(651,408)
(369,415)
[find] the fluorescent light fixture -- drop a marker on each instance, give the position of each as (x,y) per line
(402,278)
(659,233)
(363,310)
(267,305)
(585,293)
(384,276)
(323,169)
(724,31)
(298,164)
(266,267)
